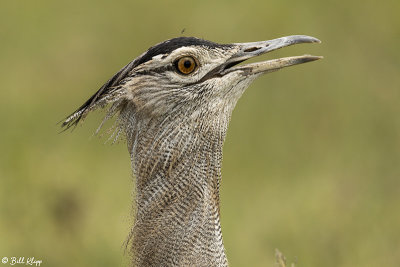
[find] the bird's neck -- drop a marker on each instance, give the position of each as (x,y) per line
(178,173)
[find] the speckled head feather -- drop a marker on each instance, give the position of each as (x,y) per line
(102,96)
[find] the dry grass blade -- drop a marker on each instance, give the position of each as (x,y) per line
(281,260)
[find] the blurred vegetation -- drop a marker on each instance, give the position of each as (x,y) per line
(312,156)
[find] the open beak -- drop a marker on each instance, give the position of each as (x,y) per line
(250,50)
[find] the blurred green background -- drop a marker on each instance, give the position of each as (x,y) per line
(312,157)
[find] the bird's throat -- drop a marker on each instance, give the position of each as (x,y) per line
(178,172)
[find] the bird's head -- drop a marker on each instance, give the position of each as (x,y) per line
(187,77)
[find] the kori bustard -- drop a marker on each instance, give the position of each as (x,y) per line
(173,104)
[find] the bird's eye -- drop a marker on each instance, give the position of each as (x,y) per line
(186,65)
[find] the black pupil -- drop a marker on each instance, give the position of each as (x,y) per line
(187,64)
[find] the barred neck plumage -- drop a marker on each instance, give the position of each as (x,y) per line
(178,172)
